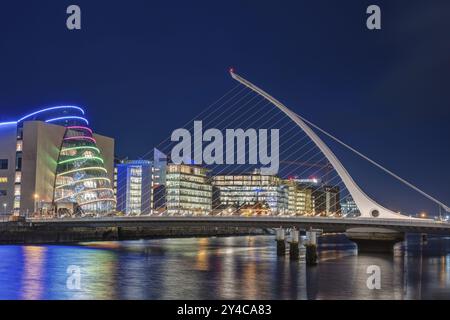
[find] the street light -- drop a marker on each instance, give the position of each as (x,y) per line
(423,215)
(4,208)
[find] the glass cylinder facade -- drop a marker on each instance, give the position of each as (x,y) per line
(81,177)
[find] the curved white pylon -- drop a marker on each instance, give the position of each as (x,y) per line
(368,207)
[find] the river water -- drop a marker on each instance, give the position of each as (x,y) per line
(220,268)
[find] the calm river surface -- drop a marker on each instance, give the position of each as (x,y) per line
(220,268)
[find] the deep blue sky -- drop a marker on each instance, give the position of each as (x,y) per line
(143,68)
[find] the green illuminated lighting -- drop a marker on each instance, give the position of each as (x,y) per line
(82,169)
(81,192)
(76,176)
(82,180)
(82,147)
(80,158)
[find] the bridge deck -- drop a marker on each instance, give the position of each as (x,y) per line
(326,223)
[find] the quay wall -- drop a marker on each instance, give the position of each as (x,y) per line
(16,233)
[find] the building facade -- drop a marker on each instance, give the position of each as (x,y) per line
(188,190)
(235,192)
(159,169)
(52,163)
(152,177)
(349,207)
(300,201)
(325,198)
(134,181)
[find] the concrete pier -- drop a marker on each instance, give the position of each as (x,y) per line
(311,248)
(294,251)
(281,242)
(423,238)
(375,240)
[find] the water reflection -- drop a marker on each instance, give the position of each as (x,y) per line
(33,272)
(223,268)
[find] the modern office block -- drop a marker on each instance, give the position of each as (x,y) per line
(134,179)
(237,191)
(188,190)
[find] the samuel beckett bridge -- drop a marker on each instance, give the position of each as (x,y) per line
(376,228)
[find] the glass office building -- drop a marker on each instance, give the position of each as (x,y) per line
(188,190)
(349,207)
(138,182)
(300,200)
(325,198)
(235,192)
(134,186)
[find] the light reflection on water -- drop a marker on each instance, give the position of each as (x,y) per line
(222,268)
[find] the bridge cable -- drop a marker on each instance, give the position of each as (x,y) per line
(446,208)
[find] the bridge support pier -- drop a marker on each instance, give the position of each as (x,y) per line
(294,251)
(423,238)
(281,243)
(311,255)
(375,240)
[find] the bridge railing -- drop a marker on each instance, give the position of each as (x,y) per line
(298,219)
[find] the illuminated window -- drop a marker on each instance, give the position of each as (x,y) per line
(19,145)
(18,178)
(17,190)
(88,154)
(3,179)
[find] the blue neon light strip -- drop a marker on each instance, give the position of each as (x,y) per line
(49,109)
(67,118)
(7,123)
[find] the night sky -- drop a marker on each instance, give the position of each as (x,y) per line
(143,68)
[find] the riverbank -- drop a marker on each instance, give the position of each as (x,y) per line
(23,233)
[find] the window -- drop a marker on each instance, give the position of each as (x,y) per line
(19,161)
(19,145)
(16,202)
(3,179)
(20,133)
(3,164)
(17,190)
(3,193)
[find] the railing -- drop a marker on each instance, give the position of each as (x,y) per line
(299,219)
